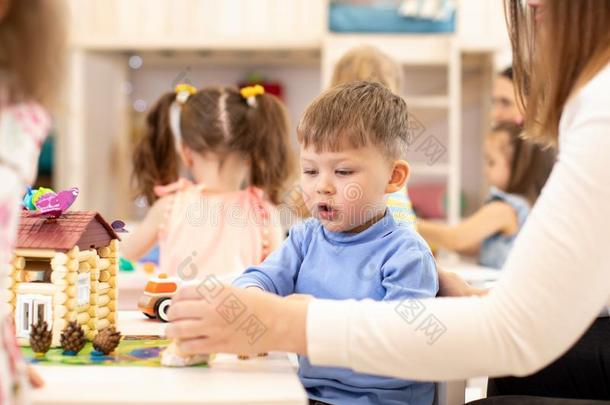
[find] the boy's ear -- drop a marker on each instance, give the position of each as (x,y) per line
(399,176)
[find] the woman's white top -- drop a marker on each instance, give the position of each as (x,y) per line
(557,278)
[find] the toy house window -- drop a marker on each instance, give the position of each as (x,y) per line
(31,308)
(83,288)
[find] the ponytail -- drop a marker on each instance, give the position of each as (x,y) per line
(155,160)
(272,158)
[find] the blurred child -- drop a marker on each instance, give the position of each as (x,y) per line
(225,138)
(31,55)
(367,63)
(516,170)
(353,139)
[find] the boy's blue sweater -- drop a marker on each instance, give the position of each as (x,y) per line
(387,261)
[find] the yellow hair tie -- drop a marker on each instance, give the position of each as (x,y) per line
(250,93)
(184,91)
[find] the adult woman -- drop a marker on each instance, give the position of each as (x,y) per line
(504,107)
(557,275)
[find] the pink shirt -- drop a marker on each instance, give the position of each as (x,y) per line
(23,128)
(222,234)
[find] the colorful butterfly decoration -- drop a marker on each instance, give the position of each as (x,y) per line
(48,203)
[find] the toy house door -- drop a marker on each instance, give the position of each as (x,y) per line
(29,309)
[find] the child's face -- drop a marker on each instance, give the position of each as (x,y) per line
(346,190)
(497,164)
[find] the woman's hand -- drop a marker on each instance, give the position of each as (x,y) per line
(452,285)
(221,318)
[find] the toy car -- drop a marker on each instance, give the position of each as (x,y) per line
(157,296)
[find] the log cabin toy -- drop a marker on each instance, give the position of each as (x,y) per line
(64,269)
(157,296)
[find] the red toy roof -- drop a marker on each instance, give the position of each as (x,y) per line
(85,229)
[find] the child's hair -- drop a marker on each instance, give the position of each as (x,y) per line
(32,41)
(530,163)
(367,63)
(356,114)
(221,121)
(507,73)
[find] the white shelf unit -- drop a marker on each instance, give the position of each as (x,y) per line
(94,119)
(434,50)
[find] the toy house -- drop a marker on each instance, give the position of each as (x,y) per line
(64,269)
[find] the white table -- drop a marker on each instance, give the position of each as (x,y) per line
(267,380)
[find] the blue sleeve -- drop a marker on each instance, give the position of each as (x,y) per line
(278,273)
(410,273)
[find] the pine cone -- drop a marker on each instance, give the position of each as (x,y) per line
(107,340)
(73,338)
(40,337)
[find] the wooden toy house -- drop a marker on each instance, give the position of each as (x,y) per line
(64,269)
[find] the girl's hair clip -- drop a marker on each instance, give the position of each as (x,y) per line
(183,92)
(250,93)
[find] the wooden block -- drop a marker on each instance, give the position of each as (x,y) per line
(83,317)
(59,259)
(94,260)
(61,283)
(71,291)
(36,288)
(113,269)
(104,275)
(84,267)
(59,298)
(111,317)
(99,324)
(103,288)
(86,328)
(71,304)
(58,276)
(60,311)
(95,274)
(8,282)
(82,308)
(19,262)
(20,276)
(103,300)
(103,312)
(90,335)
(93,311)
(104,252)
(49,253)
(60,269)
(72,265)
(112,305)
(7,296)
(59,324)
(85,255)
(114,245)
(112,282)
(73,253)
(104,264)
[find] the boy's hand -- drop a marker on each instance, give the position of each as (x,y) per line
(234,320)
(452,285)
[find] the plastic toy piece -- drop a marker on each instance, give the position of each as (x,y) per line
(72,339)
(157,297)
(53,205)
(172,357)
(31,197)
(125,265)
(119,226)
(149,267)
(40,337)
(106,341)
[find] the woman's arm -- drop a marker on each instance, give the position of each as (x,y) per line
(556,280)
(493,217)
(144,237)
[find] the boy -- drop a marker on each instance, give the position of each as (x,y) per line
(353,139)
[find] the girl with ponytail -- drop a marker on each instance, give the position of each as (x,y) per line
(226,139)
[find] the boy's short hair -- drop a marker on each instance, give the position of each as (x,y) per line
(356,114)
